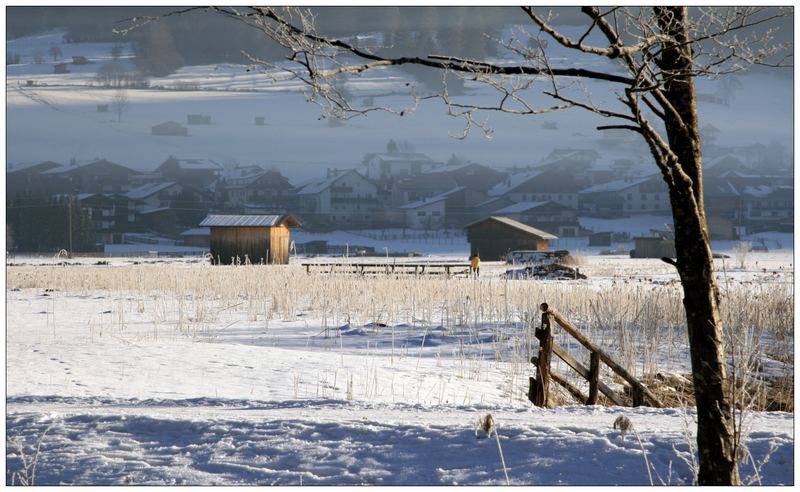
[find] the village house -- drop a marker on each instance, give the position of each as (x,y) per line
(768,208)
(111,215)
(154,195)
(494,237)
(344,199)
(253,186)
(475,179)
(551,185)
(394,164)
(25,180)
(96,176)
(195,172)
(626,197)
(445,210)
(425,214)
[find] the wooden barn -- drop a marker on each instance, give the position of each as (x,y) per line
(653,247)
(259,238)
(493,237)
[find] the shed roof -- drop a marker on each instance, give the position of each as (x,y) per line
(516,225)
(213,220)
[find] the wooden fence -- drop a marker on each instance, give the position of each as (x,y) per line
(538,391)
(448,269)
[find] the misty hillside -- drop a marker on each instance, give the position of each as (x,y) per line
(62,110)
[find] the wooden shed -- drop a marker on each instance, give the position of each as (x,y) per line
(653,247)
(253,238)
(493,237)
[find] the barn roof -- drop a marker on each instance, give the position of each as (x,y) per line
(213,220)
(516,225)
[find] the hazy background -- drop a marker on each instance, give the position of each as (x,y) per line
(193,63)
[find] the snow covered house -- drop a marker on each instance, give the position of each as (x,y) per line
(551,185)
(250,238)
(95,176)
(395,164)
(493,237)
(475,179)
(253,185)
(197,172)
(344,198)
(154,195)
(625,197)
(425,214)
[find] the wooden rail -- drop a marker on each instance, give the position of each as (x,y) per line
(538,389)
(449,269)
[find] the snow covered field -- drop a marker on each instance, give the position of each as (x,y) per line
(177,372)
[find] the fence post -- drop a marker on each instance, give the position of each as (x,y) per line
(539,387)
(594,378)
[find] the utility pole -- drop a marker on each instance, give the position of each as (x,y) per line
(69,208)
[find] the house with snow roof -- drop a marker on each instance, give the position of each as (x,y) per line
(154,195)
(94,176)
(475,179)
(345,198)
(196,172)
(254,186)
(540,186)
(386,166)
(443,210)
(24,179)
(624,197)
(768,208)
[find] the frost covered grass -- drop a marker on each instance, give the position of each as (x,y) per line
(183,373)
(470,323)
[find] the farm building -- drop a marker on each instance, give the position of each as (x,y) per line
(170,129)
(653,247)
(253,238)
(493,237)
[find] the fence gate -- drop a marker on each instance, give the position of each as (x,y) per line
(538,389)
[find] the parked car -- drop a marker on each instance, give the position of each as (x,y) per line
(525,256)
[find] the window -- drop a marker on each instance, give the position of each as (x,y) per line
(644,207)
(630,196)
(436,214)
(420,214)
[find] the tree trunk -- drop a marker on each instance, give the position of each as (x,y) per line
(715,438)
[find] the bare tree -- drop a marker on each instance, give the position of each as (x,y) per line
(120,102)
(651,57)
(55,52)
(38,56)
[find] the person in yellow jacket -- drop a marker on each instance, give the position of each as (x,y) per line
(475,265)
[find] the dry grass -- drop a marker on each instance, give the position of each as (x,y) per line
(641,323)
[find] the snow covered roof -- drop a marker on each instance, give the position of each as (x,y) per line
(80,164)
(759,191)
(319,186)
(197,231)
(400,157)
(612,186)
(512,182)
(433,199)
(148,211)
(519,207)
(149,189)
(515,224)
(214,220)
(198,164)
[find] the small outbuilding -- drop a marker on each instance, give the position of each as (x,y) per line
(170,129)
(257,239)
(653,247)
(493,237)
